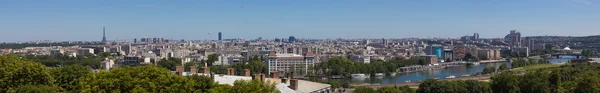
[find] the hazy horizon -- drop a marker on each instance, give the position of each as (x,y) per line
(77,20)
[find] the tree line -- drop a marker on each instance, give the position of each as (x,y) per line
(20,75)
(339,66)
(527,62)
(64,60)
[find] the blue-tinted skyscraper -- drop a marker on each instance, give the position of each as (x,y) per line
(220,36)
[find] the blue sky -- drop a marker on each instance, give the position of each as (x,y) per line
(25,20)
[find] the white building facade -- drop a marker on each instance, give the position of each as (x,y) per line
(288,63)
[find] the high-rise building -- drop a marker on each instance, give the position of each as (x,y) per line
(435,49)
(135,40)
(220,36)
(476,36)
(514,38)
(103,35)
(530,42)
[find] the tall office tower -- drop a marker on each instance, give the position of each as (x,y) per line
(220,36)
(515,38)
(530,42)
(476,36)
(103,35)
(135,40)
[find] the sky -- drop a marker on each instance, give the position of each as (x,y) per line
(82,20)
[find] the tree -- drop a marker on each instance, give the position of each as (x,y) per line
(211,59)
(334,84)
(478,87)
(555,80)
(503,67)
(221,89)
(169,63)
(253,86)
(203,83)
(470,56)
(489,70)
(388,89)
(69,77)
(138,79)
(257,67)
(218,69)
(17,72)
(588,85)
(364,90)
(535,82)
(36,89)
(346,84)
(104,54)
(429,86)
(505,83)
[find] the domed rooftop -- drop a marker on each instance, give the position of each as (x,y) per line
(567,48)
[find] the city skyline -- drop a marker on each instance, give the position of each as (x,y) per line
(193,20)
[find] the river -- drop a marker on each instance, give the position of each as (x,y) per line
(434,73)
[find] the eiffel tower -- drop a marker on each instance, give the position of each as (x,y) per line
(103,35)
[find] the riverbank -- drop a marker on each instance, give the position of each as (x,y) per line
(491,61)
(485,78)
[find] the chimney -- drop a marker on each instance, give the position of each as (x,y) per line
(259,77)
(206,70)
(179,70)
(255,77)
(247,72)
(275,74)
(294,84)
(193,69)
(231,71)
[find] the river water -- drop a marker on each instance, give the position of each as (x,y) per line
(435,73)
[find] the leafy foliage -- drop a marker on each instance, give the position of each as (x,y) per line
(17,72)
(36,89)
(169,63)
(345,67)
(138,79)
(64,60)
(69,77)
(523,62)
(489,70)
(505,83)
(211,59)
(364,90)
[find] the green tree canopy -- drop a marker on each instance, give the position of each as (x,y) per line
(489,70)
(505,83)
(70,77)
(35,89)
(364,90)
(17,72)
(169,63)
(211,59)
(138,79)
